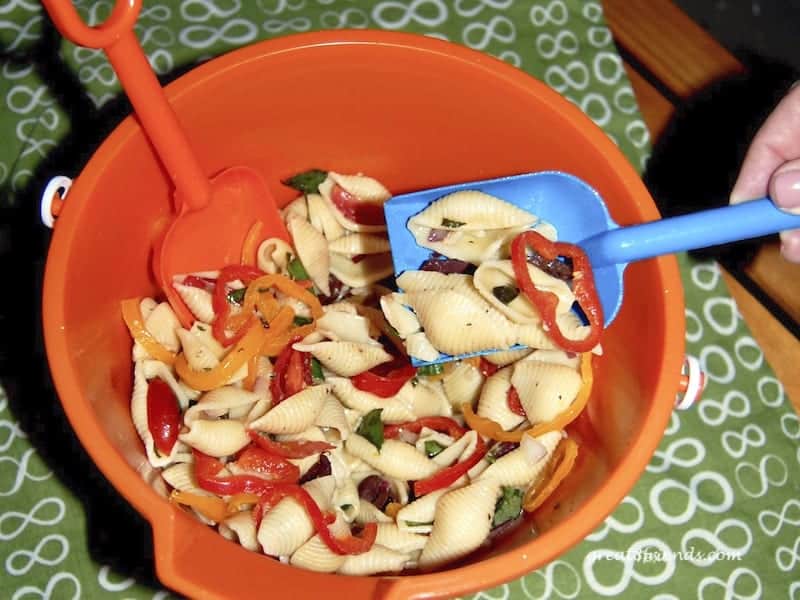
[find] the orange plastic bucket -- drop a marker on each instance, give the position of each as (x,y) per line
(413,112)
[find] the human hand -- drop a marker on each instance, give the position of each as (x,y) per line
(772,166)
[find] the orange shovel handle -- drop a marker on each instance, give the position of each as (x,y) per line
(117,38)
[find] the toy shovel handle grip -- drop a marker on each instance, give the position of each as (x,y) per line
(117,38)
(688,232)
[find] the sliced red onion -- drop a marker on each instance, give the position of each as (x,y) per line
(533,449)
(409,437)
(437,235)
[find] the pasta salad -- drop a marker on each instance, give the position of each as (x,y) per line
(288,414)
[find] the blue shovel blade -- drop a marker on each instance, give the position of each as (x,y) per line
(574,208)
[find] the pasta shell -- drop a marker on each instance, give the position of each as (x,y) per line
(364,188)
(312,249)
(273,255)
(322,218)
(326,189)
(394,410)
(198,355)
(163,325)
(242,528)
(461,448)
(395,459)
(360,243)
(399,316)
(558,357)
(154,368)
(295,414)
(463,384)
(369,513)
(368,270)
(346,358)
(377,560)
(516,469)
(450,539)
(216,438)
(476,210)
(316,556)
(426,399)
(471,325)
(392,537)
(197,300)
(332,415)
(419,346)
(425,281)
(346,500)
(417,517)
(219,402)
(500,273)
(339,325)
(545,389)
(493,402)
(180,476)
(507,357)
(298,207)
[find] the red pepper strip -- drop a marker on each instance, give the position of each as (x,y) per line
(448,475)
(163,415)
(292,373)
(487,369)
(441,424)
(363,213)
(198,282)
(384,385)
(546,302)
(271,466)
(350,544)
(291,449)
(206,469)
(514,404)
(220,303)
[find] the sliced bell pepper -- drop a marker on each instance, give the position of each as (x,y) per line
(487,369)
(291,374)
(385,381)
(207,468)
(246,274)
(560,466)
(576,407)
(290,449)
(132,316)
(363,213)
(163,415)
(268,465)
(440,424)
(210,507)
(487,427)
(449,475)
(514,404)
(199,282)
(546,302)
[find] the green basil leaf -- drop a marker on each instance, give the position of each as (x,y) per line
(432,448)
(450,224)
(296,270)
(505,293)
(429,370)
(300,321)
(417,523)
(508,507)
(371,427)
(237,296)
(317,376)
(307,181)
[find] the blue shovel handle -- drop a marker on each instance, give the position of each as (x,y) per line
(688,232)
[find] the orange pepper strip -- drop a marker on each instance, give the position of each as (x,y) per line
(487,427)
(274,346)
(247,347)
(576,407)
(290,288)
(392,509)
(237,501)
(211,507)
(251,242)
(491,429)
(252,368)
(133,319)
(563,460)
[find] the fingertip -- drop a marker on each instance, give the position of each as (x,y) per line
(790,245)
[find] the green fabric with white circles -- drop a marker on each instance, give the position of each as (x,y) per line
(725,477)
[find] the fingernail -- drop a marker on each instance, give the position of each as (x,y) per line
(786,189)
(790,245)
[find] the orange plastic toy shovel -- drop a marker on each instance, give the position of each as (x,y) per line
(214,216)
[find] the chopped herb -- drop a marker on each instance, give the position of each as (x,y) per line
(432,448)
(452,224)
(418,523)
(371,427)
(508,507)
(308,181)
(201,327)
(296,270)
(317,376)
(414,381)
(346,507)
(505,293)
(392,330)
(300,321)
(237,296)
(430,370)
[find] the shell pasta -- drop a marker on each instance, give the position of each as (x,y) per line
(290,418)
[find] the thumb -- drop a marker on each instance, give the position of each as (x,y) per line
(784,186)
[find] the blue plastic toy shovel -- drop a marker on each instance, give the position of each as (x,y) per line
(580,216)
